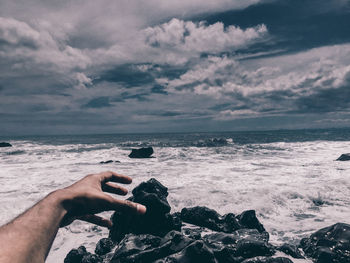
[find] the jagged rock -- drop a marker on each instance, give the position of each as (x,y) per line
(141,153)
(267,260)
(104,246)
(5,144)
(148,248)
(330,244)
(344,157)
(248,219)
(76,255)
(248,248)
(195,252)
(290,250)
(243,243)
(209,218)
(91,258)
(156,221)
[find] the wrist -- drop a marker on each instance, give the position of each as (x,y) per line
(56,200)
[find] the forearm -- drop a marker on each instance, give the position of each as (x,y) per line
(28,238)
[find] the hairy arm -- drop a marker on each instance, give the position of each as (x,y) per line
(28,238)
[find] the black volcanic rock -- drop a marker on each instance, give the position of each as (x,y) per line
(330,244)
(76,255)
(141,153)
(106,162)
(290,250)
(91,258)
(104,246)
(344,157)
(209,218)
(149,248)
(157,220)
(200,234)
(5,144)
(267,260)
(249,220)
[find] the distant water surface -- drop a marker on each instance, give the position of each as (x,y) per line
(289,177)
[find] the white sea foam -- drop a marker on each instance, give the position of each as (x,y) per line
(296,188)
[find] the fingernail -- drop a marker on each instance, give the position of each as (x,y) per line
(141,209)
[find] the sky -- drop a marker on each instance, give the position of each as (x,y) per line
(131,66)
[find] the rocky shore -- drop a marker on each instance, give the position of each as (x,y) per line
(200,234)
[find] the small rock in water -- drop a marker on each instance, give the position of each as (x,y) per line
(109,161)
(344,157)
(141,153)
(5,144)
(329,245)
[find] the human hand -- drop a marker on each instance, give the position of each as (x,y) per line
(85,198)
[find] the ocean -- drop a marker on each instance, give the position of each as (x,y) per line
(289,177)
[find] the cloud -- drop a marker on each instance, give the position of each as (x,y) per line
(183,63)
(187,36)
(316,81)
(99,102)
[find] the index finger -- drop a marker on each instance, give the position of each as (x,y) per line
(114,177)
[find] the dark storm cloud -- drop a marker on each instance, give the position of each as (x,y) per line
(157,89)
(127,75)
(100,102)
(185,65)
(295,24)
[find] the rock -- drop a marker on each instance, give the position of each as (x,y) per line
(104,246)
(330,244)
(243,243)
(268,260)
(141,153)
(248,248)
(76,255)
(209,218)
(290,250)
(195,252)
(248,219)
(157,220)
(91,258)
(148,248)
(105,162)
(5,144)
(344,157)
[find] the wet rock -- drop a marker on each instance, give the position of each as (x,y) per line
(91,258)
(248,248)
(148,248)
(76,255)
(195,252)
(209,218)
(104,246)
(5,144)
(268,260)
(243,243)
(109,161)
(157,220)
(330,244)
(344,157)
(141,153)
(249,220)
(233,238)
(290,250)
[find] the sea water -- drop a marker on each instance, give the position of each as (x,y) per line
(290,178)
